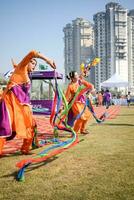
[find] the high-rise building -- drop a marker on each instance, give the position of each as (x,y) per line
(100,47)
(131,48)
(78,44)
(111,43)
(116,31)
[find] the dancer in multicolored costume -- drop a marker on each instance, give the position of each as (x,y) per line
(79,107)
(16,117)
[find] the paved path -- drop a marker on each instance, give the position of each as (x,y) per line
(46,131)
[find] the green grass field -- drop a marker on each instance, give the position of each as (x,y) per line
(100,167)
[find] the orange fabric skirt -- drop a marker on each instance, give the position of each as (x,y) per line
(20,116)
(78,107)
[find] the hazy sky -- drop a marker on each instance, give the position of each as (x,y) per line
(38,24)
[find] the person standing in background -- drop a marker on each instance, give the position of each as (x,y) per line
(128,99)
(107,98)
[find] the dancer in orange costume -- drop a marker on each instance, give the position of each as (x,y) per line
(78,106)
(16,116)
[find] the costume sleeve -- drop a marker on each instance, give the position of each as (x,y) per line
(87,84)
(27,58)
(68,93)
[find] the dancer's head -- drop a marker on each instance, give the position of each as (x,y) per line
(31,65)
(73,75)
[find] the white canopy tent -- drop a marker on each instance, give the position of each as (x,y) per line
(114,81)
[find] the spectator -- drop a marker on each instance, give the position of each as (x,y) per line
(128,99)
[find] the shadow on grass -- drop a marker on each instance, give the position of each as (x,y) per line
(111,124)
(31,167)
(14,174)
(40,164)
(125,114)
(13,154)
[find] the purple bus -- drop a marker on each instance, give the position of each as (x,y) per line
(42,91)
